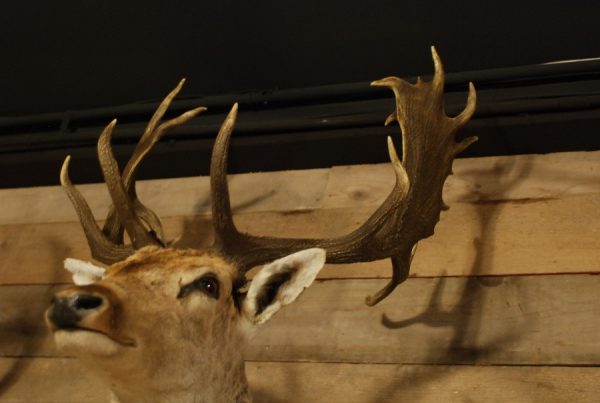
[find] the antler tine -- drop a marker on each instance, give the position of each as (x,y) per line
(148,141)
(121,201)
(402,179)
(400,270)
(152,134)
(159,113)
(101,248)
(464,117)
(225,231)
(408,214)
(439,79)
(127,213)
(150,137)
(469,110)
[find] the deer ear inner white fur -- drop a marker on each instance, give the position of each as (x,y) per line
(84,273)
(279,283)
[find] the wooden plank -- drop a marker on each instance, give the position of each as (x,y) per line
(310,382)
(66,380)
(475,179)
(541,320)
(520,320)
(267,191)
(521,177)
(49,380)
(491,238)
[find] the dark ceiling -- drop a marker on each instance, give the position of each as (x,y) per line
(59,55)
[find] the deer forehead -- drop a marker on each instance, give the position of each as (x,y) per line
(158,267)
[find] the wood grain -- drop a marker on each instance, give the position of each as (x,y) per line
(509,216)
(475,179)
(521,320)
(487,238)
(66,380)
(516,178)
(267,191)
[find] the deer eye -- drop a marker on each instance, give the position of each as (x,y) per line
(207,284)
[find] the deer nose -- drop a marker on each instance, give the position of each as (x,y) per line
(66,312)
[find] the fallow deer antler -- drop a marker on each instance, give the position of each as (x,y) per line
(127,213)
(409,213)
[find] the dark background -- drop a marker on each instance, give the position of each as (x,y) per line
(60,56)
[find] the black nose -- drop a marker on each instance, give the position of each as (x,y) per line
(66,312)
(85,302)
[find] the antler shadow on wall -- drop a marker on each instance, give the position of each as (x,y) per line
(197,231)
(466,315)
(22,329)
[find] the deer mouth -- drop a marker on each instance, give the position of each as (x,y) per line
(83,341)
(125,342)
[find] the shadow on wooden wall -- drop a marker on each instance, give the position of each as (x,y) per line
(22,318)
(465,316)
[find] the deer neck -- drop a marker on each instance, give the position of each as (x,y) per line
(226,384)
(211,370)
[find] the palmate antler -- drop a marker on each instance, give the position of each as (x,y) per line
(408,215)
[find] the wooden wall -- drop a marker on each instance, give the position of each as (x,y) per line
(502,306)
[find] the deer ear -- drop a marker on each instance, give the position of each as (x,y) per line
(280,283)
(84,273)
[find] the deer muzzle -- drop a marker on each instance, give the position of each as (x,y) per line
(90,308)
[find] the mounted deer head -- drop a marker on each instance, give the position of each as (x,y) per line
(167,325)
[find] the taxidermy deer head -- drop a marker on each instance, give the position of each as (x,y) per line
(167,325)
